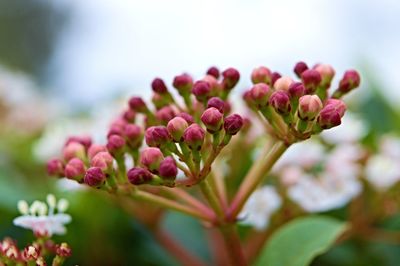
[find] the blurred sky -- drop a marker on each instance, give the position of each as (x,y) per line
(122,44)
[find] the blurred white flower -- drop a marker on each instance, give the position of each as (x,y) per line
(41,218)
(382,171)
(390,145)
(260,206)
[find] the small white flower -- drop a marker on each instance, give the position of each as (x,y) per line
(260,206)
(42,218)
(390,146)
(382,171)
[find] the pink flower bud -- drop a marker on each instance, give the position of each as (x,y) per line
(351,80)
(176,127)
(55,168)
(151,158)
(116,145)
(201,90)
(213,71)
(339,105)
(261,75)
(215,87)
(283,83)
(327,73)
(212,119)
(168,169)
(329,117)
(134,135)
(138,105)
(63,250)
(72,150)
(115,129)
(86,141)
(157,136)
(248,99)
(309,107)
(232,124)
(230,78)
(94,177)
(165,114)
(280,101)
(296,90)
(189,119)
(95,149)
(311,79)
(75,169)
(299,68)
(216,103)
(102,160)
(159,86)
(129,116)
(194,136)
(139,176)
(30,253)
(183,83)
(275,76)
(260,94)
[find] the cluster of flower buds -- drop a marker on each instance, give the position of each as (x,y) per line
(297,109)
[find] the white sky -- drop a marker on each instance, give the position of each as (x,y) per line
(122,44)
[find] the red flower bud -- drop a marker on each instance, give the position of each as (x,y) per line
(116,145)
(168,169)
(30,253)
(275,76)
(212,119)
(329,117)
(327,73)
(339,105)
(299,68)
(159,86)
(230,78)
(309,107)
(261,75)
(296,90)
(86,141)
(134,135)
(189,119)
(213,71)
(280,101)
(232,124)
(75,169)
(176,127)
(102,160)
(129,116)
(165,114)
(259,94)
(115,129)
(194,136)
(137,104)
(63,250)
(139,176)
(72,150)
(351,80)
(201,90)
(94,177)
(283,83)
(157,136)
(216,103)
(311,79)
(55,168)
(151,158)
(95,149)
(183,83)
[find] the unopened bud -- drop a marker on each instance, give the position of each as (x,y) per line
(283,83)
(260,94)
(213,71)
(64,250)
(165,114)
(95,149)
(201,90)
(138,105)
(30,253)
(275,76)
(311,79)
(339,106)
(75,169)
(168,169)
(86,141)
(151,158)
(94,177)
(139,176)
(280,101)
(194,136)
(157,136)
(351,80)
(261,75)
(232,124)
(329,117)
(309,107)
(296,90)
(183,83)
(212,119)
(189,119)
(327,73)
(159,86)
(72,150)
(134,135)
(129,115)
(230,78)
(216,103)
(299,68)
(103,160)
(176,127)
(55,168)
(116,145)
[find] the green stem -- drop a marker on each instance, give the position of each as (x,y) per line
(232,245)
(254,177)
(212,198)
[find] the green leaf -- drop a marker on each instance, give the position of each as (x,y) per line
(299,241)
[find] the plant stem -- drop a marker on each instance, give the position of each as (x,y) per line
(233,246)
(254,177)
(212,198)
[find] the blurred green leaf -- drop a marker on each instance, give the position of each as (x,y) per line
(301,240)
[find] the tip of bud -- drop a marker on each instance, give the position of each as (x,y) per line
(329,117)
(168,169)
(75,169)
(159,86)
(201,90)
(213,71)
(216,103)
(189,119)
(95,149)
(194,136)
(351,80)
(157,136)
(115,144)
(151,158)
(165,114)
(94,177)
(275,76)
(259,94)
(176,127)
(309,107)
(232,124)
(261,75)
(231,78)
(283,83)
(311,79)
(102,160)
(299,68)
(55,167)
(139,176)
(280,101)
(296,90)
(183,83)
(212,118)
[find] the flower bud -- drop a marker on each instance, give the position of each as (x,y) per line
(183,83)
(159,100)
(329,117)
(232,124)
(213,71)
(139,176)
(176,127)
(63,250)
(283,83)
(350,81)
(309,107)
(194,136)
(159,86)
(116,129)
(94,177)
(116,145)
(157,136)
(103,160)
(280,101)
(168,169)
(165,114)
(95,149)
(129,116)
(327,73)
(201,90)
(296,90)
(86,141)
(189,119)
(216,103)
(75,169)
(215,87)
(55,168)
(30,253)
(72,150)
(212,119)
(311,79)
(134,135)
(261,75)
(230,78)
(275,76)
(299,68)
(248,99)
(151,158)
(260,94)
(339,105)
(137,104)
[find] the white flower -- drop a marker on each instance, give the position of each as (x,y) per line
(382,171)
(390,146)
(260,206)
(41,217)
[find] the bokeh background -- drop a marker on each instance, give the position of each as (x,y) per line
(66,65)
